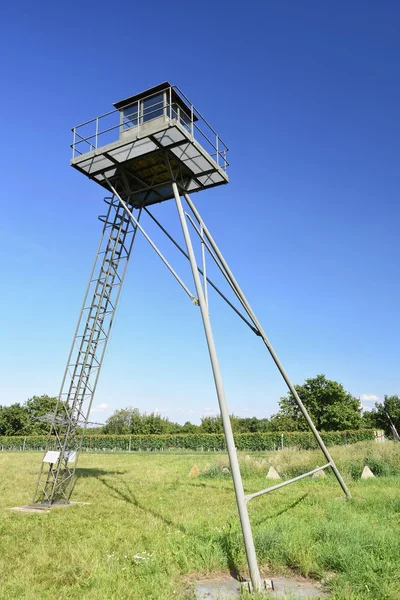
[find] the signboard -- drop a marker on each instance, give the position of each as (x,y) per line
(51,456)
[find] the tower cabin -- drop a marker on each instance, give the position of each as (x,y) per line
(148,141)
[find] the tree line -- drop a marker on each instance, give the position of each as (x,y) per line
(330,406)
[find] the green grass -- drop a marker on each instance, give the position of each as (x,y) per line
(150,530)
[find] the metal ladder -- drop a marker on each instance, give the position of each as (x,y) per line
(57,472)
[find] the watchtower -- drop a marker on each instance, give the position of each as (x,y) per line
(153,147)
(159,138)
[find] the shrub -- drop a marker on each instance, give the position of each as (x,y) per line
(250,442)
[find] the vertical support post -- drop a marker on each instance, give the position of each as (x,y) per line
(235,286)
(73,142)
(97,133)
(230,443)
(203,260)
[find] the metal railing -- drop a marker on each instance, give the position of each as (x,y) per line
(107,128)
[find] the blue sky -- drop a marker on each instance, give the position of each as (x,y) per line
(306,96)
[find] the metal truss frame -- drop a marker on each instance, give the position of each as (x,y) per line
(57,471)
(208,243)
(55,483)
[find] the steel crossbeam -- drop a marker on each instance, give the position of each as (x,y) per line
(280,485)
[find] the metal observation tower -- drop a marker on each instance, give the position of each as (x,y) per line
(154,147)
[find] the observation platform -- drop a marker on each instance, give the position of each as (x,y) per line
(148,141)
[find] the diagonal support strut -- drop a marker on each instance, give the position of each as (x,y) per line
(235,286)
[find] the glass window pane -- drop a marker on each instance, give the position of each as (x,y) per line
(130,116)
(153,107)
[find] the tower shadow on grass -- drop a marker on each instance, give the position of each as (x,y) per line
(83,472)
(226,541)
(282,511)
(128,496)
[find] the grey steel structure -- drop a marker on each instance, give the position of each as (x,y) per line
(54,483)
(153,147)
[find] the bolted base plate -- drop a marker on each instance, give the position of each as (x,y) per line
(279,587)
(31,508)
(43,508)
(225,588)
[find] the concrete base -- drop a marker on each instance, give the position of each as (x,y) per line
(282,587)
(43,508)
(31,508)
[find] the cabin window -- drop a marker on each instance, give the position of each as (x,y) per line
(153,107)
(143,111)
(130,116)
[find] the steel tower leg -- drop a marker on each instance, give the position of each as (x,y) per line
(240,295)
(230,443)
(55,479)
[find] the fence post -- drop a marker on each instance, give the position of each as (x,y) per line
(282,441)
(130,443)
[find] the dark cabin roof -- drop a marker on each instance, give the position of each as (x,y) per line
(176,98)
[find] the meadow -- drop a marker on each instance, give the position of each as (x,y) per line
(149,531)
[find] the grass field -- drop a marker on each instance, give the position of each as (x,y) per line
(150,530)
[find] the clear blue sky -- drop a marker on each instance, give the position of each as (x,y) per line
(307,96)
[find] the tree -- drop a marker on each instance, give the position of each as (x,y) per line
(14,420)
(329,405)
(38,407)
(251,425)
(284,422)
(27,418)
(130,420)
(188,427)
(389,408)
(211,424)
(120,421)
(369,420)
